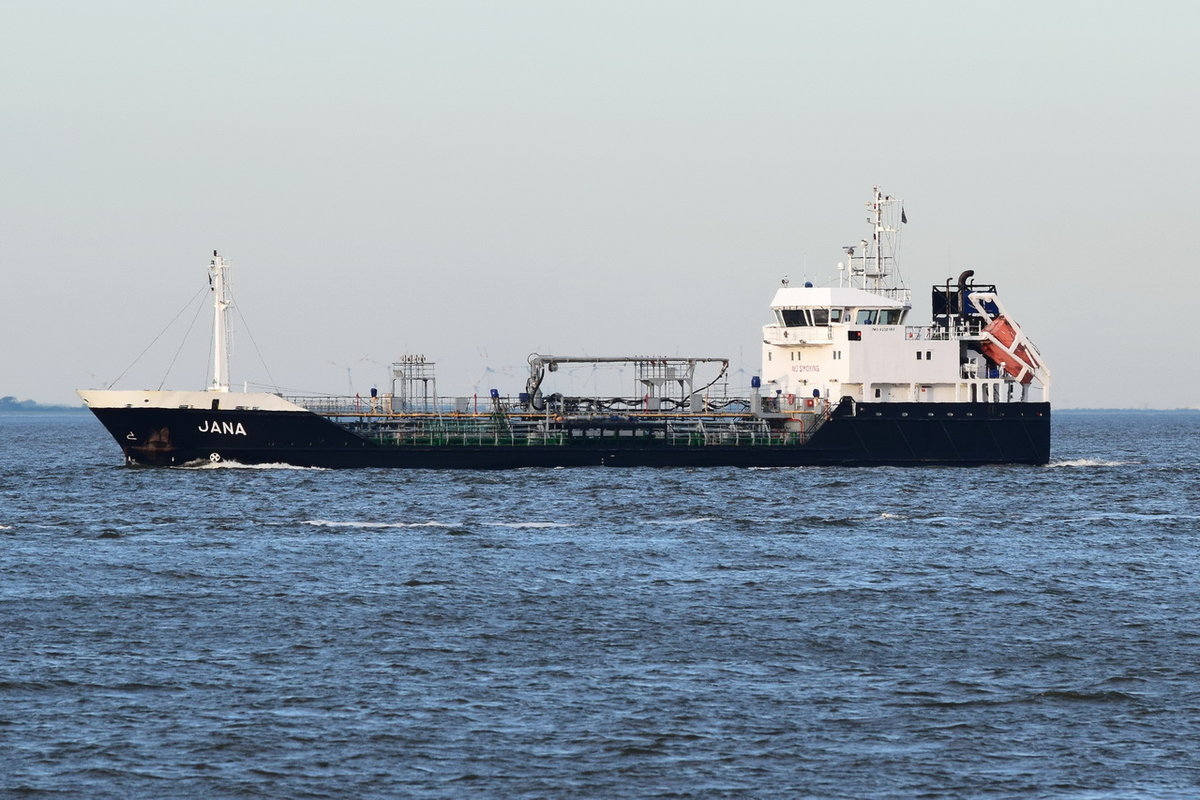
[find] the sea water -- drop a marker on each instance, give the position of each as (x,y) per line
(1004,631)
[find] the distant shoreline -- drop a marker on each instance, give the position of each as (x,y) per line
(1124,410)
(12,404)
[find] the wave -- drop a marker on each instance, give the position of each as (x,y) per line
(327,523)
(1088,462)
(1139,517)
(692,521)
(240,465)
(1088,695)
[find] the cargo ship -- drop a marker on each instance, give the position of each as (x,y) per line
(845,380)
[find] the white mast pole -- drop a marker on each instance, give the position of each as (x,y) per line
(216,278)
(878,222)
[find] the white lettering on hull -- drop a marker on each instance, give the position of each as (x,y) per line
(227,428)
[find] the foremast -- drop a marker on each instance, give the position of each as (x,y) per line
(218,279)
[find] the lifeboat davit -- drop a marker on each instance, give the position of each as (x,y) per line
(1002,346)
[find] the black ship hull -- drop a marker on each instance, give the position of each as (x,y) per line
(857,434)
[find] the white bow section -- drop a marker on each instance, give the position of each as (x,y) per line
(144,398)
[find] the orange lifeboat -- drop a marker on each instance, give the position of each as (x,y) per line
(998,346)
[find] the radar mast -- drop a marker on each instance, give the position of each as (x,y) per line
(873,261)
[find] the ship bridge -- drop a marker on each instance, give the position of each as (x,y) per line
(806,315)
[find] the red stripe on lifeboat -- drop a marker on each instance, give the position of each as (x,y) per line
(1004,352)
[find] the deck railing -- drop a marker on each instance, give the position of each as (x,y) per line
(969,328)
(503,421)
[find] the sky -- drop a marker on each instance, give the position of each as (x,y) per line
(477,181)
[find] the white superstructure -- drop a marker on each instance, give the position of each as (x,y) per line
(854,340)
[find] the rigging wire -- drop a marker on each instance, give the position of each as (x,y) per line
(257,352)
(182,342)
(156,338)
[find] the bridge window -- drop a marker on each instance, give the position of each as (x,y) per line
(820,316)
(866,316)
(835,315)
(795,317)
(891,316)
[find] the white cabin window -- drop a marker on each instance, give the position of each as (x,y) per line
(918,355)
(929,355)
(835,315)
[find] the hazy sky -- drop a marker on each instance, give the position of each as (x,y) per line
(476,181)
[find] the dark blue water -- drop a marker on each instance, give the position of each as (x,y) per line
(829,633)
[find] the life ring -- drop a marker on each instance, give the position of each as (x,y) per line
(791,399)
(909,335)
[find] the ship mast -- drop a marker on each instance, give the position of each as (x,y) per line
(872,262)
(217,280)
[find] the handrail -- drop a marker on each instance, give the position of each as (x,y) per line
(516,428)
